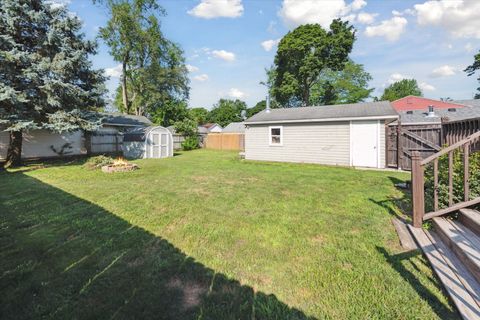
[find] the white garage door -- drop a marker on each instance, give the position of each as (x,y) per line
(364,143)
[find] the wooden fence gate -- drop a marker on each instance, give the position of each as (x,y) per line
(402,141)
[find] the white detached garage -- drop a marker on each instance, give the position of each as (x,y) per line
(346,135)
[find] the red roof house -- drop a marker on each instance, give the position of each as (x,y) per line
(419,103)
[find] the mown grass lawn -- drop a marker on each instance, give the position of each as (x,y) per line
(204,235)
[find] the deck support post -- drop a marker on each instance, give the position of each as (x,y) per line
(418,197)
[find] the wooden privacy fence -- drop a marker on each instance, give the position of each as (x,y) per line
(402,141)
(459,130)
(225,141)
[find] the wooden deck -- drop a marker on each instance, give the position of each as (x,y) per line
(453,250)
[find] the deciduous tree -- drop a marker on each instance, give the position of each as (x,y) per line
(226,111)
(400,89)
(471,69)
(303,54)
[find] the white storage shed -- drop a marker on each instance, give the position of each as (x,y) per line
(150,142)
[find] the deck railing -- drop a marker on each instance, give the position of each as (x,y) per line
(418,181)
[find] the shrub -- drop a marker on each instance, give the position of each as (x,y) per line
(190,143)
(97,162)
(458,188)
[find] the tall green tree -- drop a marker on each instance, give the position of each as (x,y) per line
(46,78)
(471,69)
(170,112)
(349,85)
(303,54)
(226,111)
(153,68)
(199,115)
(400,89)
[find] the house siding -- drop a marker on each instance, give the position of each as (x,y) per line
(323,143)
(37,143)
(382,147)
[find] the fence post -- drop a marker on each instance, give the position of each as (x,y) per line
(418,191)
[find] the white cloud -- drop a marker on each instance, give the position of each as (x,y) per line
(115,72)
(443,71)
(191,68)
(426,87)
(201,77)
(224,55)
(269,44)
(395,77)
(297,12)
(460,17)
(209,9)
(390,29)
(366,18)
(235,93)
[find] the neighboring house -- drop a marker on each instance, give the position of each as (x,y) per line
(209,128)
(346,135)
(420,103)
(234,127)
(47,144)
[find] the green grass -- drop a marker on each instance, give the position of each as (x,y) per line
(204,235)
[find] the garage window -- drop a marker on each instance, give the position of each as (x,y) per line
(276,136)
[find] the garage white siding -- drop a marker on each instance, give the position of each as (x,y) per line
(324,143)
(382,147)
(37,143)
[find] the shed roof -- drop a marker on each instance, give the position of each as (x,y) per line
(140,133)
(120,119)
(371,110)
(234,127)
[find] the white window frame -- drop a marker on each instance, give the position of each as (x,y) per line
(270,136)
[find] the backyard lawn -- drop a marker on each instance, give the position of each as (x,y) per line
(204,235)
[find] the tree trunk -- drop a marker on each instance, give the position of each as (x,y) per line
(124,88)
(14,153)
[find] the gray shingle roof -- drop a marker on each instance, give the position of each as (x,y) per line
(120,119)
(470,102)
(420,116)
(234,127)
(325,113)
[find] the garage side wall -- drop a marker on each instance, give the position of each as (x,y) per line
(37,144)
(324,143)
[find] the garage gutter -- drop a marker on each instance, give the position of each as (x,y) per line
(324,120)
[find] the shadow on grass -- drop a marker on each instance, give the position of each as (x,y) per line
(63,257)
(398,207)
(398,261)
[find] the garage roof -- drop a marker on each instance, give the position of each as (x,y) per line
(340,112)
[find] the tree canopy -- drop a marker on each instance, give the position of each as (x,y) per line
(349,85)
(303,54)
(46,78)
(226,111)
(154,74)
(199,115)
(400,89)
(471,69)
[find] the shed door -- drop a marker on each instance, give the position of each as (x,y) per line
(364,143)
(158,145)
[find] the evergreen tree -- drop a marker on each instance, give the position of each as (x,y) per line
(471,69)
(46,79)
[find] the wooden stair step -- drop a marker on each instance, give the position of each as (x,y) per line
(459,284)
(471,219)
(462,241)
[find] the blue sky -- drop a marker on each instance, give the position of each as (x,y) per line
(431,41)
